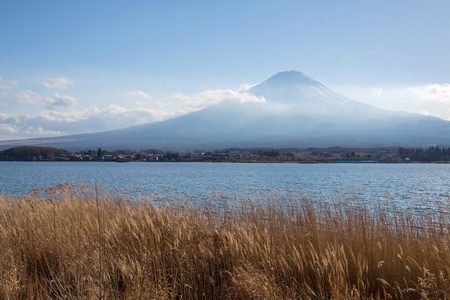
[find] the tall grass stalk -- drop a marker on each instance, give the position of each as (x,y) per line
(80,241)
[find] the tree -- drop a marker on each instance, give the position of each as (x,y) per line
(172,156)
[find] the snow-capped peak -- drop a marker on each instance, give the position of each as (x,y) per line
(294,87)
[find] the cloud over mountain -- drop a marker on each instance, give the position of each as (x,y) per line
(92,119)
(288,109)
(213,97)
(433,92)
(62,117)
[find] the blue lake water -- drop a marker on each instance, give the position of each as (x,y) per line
(400,182)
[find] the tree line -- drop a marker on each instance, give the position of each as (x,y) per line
(37,153)
(30,153)
(429,154)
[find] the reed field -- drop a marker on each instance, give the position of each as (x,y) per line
(82,241)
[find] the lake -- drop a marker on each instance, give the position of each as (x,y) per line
(423,183)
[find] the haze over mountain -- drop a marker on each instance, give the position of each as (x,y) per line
(290,110)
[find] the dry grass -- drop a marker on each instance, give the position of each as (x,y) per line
(82,242)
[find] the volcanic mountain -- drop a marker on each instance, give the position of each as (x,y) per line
(293,111)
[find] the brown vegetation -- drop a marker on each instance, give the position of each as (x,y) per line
(32,153)
(82,242)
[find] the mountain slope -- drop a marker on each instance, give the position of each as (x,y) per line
(298,111)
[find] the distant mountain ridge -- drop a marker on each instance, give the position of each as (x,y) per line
(297,112)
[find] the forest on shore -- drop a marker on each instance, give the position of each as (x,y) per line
(300,155)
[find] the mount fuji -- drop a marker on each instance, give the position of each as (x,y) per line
(294,111)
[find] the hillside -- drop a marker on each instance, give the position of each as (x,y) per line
(295,111)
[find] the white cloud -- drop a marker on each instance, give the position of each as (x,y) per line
(211,97)
(202,100)
(29,97)
(50,122)
(140,94)
(246,86)
(432,92)
(5,86)
(377,91)
(433,99)
(39,131)
(92,119)
(22,130)
(413,99)
(58,83)
(8,129)
(61,101)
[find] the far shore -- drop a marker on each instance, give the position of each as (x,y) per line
(237,155)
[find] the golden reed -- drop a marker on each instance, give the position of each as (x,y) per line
(80,241)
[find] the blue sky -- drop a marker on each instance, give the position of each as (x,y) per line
(83,66)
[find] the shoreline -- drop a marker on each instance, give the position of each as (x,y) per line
(242,162)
